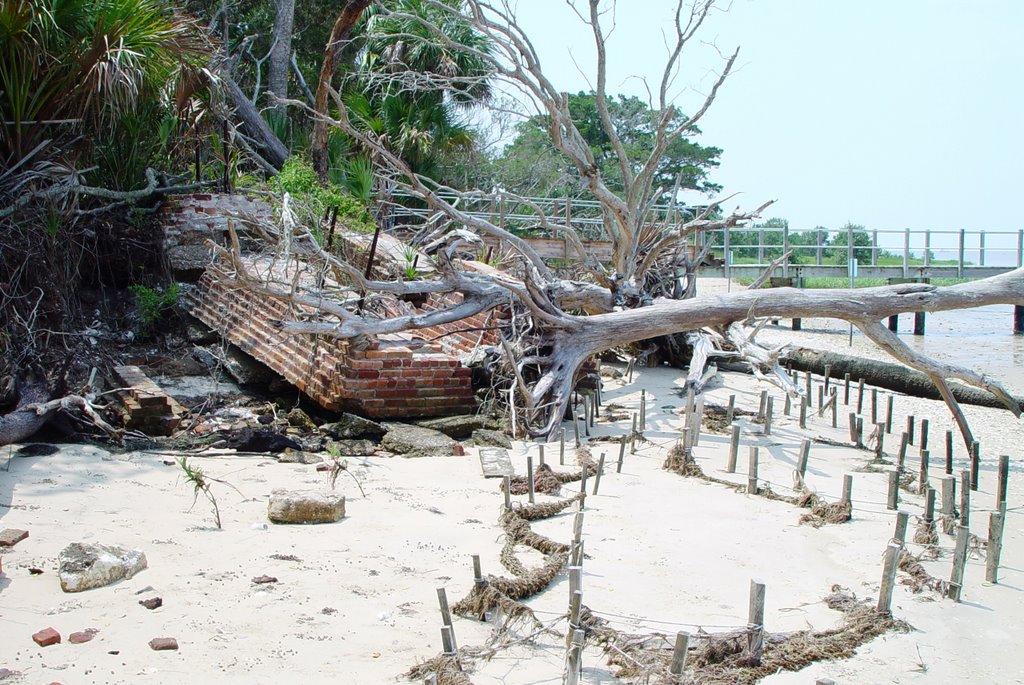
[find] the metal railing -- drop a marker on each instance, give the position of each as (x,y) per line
(818,251)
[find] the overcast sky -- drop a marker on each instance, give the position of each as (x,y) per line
(888,113)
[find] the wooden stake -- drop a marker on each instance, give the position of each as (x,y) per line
(948,495)
(730,410)
(892,555)
(447,640)
(787,405)
(586,416)
(561,447)
(893,499)
(540,455)
(846,394)
(900,533)
(956,578)
(576,427)
(1003,475)
(929,505)
(828,376)
(888,414)
(430,679)
(572,667)
(995,546)
(761,406)
(809,388)
(768,416)
(805,455)
(860,396)
(506,486)
(922,477)
(965,498)
(803,412)
(910,429)
(835,408)
(622,454)
(847,489)
(734,446)
(874,406)
(478,575)
(821,398)
(880,445)
(600,469)
(924,434)
(643,410)
(860,432)
(529,476)
(853,427)
(949,453)
(752,471)
(755,622)
(901,458)
(975,464)
(678,663)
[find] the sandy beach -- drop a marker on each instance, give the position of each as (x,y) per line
(356,601)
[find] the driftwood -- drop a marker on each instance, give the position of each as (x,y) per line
(34,411)
(887,375)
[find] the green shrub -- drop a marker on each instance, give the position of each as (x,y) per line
(312,199)
(153,304)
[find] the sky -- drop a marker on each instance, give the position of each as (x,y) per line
(892,114)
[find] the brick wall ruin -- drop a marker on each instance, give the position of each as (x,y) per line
(414,374)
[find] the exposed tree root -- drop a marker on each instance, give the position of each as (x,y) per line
(720,659)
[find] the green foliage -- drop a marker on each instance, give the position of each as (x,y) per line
(312,199)
(531,165)
(153,304)
(77,73)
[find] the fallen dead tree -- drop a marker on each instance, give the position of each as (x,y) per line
(34,410)
(887,375)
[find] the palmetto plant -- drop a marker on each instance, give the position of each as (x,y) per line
(70,70)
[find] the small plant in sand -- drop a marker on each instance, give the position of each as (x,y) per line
(201,486)
(339,465)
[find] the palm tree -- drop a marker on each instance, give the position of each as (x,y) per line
(70,69)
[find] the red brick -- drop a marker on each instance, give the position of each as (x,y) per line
(46,637)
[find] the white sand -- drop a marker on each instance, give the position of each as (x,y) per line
(665,553)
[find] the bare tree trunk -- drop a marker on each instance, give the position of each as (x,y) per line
(340,32)
(280,52)
(274,151)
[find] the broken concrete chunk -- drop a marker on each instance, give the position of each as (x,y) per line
(352,448)
(349,426)
(416,441)
(490,438)
(288,506)
(294,457)
(9,537)
(85,566)
(458,427)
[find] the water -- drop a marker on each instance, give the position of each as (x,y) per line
(980,339)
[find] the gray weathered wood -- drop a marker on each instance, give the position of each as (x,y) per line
(478,575)
(888,414)
(752,471)
(734,446)
(561,447)
(874,406)
(678,663)
(892,554)
(965,498)
(924,434)
(730,410)
(949,453)
(853,427)
(893,499)
(1003,481)
(805,454)
(755,621)
(948,492)
(600,470)
(506,488)
(995,546)
(762,404)
(768,416)
(922,477)
(900,532)
(860,396)
(975,464)
(901,457)
(956,578)
(622,454)
(643,410)
(803,412)
(529,478)
(573,658)
(846,393)
(847,489)
(929,505)
(910,429)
